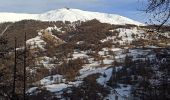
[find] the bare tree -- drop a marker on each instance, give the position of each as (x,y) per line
(159,10)
(14,73)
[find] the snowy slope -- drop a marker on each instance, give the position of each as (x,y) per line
(71,15)
(12,17)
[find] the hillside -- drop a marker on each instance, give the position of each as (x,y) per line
(87,60)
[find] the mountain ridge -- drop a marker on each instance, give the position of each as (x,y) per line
(69,14)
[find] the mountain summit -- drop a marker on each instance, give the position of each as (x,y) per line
(69,14)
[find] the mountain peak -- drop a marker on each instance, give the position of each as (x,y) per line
(70,14)
(67,8)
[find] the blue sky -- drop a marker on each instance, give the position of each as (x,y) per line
(128,8)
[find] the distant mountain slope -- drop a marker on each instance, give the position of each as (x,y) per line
(12,17)
(71,15)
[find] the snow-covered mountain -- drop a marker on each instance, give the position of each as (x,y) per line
(67,14)
(13,17)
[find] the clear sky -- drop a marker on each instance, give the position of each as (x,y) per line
(127,8)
